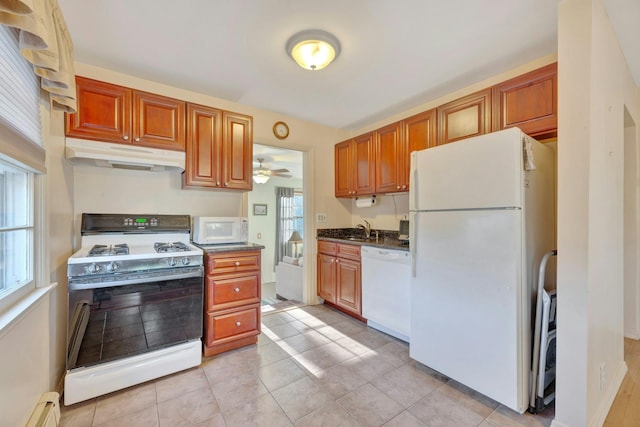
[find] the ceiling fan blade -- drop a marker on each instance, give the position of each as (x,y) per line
(283,170)
(281,175)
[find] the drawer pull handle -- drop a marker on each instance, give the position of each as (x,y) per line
(237,263)
(236,290)
(238,323)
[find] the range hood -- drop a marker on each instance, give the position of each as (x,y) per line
(120,156)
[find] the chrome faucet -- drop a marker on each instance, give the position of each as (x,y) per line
(366,228)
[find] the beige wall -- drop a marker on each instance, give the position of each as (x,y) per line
(594,88)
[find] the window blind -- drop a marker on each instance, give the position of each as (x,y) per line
(20,125)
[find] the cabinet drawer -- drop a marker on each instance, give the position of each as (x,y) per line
(328,248)
(228,291)
(236,262)
(348,251)
(232,325)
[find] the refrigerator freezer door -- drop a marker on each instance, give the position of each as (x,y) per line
(481,172)
(468,316)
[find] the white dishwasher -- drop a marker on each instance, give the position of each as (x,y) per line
(386,293)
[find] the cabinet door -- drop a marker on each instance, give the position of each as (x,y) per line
(364,166)
(389,161)
(104,112)
(530,102)
(237,151)
(204,148)
(158,121)
(419,134)
(327,277)
(348,285)
(343,171)
(465,117)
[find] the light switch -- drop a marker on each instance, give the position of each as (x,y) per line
(321,217)
(259,235)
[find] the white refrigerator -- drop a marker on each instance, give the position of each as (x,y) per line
(482,214)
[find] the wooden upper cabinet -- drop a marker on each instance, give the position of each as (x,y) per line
(343,169)
(219,149)
(104,112)
(465,117)
(113,113)
(390,162)
(204,148)
(419,134)
(237,151)
(530,102)
(158,121)
(364,158)
(420,131)
(355,166)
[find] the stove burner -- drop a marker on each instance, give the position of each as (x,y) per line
(106,250)
(171,247)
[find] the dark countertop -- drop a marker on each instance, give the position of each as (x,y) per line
(354,236)
(234,247)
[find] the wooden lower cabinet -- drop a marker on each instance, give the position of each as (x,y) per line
(348,285)
(232,301)
(339,277)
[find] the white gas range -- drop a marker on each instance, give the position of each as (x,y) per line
(135,302)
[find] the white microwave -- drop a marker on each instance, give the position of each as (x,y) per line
(216,230)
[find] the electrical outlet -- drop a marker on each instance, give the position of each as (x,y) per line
(602,376)
(321,217)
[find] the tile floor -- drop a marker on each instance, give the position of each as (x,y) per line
(312,366)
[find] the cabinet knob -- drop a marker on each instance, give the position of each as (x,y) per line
(125,137)
(337,261)
(237,263)
(217,183)
(137,139)
(226,184)
(236,290)
(404,186)
(397,187)
(238,324)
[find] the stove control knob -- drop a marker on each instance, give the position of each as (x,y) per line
(92,268)
(113,266)
(171,261)
(186,261)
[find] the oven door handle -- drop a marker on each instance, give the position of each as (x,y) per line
(159,277)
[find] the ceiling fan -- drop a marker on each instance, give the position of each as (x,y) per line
(262,174)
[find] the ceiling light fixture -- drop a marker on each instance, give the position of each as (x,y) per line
(260,178)
(313,49)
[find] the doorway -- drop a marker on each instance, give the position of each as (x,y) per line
(285,171)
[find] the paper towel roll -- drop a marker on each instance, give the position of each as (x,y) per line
(365,202)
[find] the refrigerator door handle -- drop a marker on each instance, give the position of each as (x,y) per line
(413,240)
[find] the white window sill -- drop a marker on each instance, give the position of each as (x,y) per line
(21,308)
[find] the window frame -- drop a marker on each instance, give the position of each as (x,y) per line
(37,242)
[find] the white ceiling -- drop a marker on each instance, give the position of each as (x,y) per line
(395,54)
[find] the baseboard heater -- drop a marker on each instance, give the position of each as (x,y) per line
(47,411)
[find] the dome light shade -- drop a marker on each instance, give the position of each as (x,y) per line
(260,178)
(313,49)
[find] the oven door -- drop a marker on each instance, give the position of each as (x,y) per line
(110,322)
